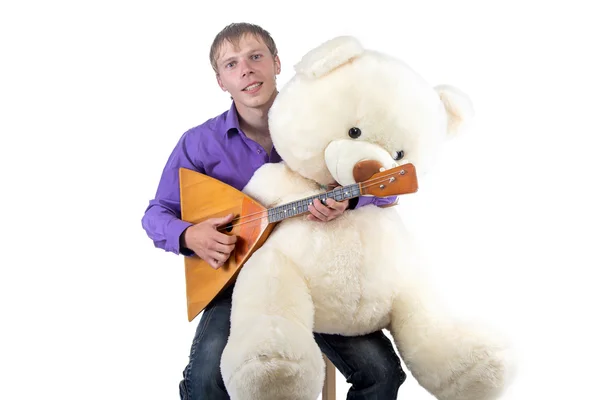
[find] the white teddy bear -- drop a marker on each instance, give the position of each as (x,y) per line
(358,273)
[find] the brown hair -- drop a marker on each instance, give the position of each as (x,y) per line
(233,32)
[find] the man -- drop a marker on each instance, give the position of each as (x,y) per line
(230,147)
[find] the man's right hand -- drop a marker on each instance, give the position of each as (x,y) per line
(208,243)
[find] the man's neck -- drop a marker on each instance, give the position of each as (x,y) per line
(255,123)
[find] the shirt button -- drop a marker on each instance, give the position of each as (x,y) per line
(258,151)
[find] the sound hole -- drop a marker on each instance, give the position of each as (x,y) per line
(229,226)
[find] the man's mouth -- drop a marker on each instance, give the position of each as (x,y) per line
(252,87)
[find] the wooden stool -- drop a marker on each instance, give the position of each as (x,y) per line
(329,385)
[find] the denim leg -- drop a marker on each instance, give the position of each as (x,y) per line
(368,362)
(202,376)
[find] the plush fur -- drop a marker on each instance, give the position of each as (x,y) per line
(358,273)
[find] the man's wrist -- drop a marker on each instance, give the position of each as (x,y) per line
(182,242)
(183,249)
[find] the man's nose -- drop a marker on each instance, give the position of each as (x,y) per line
(245,67)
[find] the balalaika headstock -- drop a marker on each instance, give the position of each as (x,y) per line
(391,182)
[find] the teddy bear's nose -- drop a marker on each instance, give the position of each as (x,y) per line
(363,170)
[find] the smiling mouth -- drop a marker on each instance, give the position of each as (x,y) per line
(252,87)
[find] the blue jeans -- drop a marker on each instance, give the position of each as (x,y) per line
(368,362)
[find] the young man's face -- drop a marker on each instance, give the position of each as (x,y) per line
(247,71)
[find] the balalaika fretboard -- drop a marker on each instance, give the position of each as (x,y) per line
(301,206)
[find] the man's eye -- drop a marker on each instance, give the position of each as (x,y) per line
(256,56)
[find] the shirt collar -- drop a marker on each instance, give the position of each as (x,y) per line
(232,125)
(232,122)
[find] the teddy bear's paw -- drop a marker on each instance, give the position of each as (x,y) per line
(476,366)
(480,375)
(272,359)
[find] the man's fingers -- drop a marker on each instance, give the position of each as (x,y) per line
(225,239)
(335,205)
(223,248)
(216,259)
(332,210)
(213,263)
(316,214)
(318,217)
(323,209)
(222,220)
(209,257)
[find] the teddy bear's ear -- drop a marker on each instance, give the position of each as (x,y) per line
(459,108)
(328,56)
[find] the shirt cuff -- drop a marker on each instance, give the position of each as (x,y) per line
(174,231)
(376,201)
(363,201)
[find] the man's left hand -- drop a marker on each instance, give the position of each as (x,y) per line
(324,213)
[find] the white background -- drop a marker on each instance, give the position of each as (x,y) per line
(94,95)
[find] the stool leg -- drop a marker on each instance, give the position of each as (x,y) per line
(329,385)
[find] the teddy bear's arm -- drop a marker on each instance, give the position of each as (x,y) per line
(274,183)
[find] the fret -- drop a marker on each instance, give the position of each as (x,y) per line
(298,207)
(291,209)
(305,203)
(338,194)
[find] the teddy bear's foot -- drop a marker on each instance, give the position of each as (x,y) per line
(273,359)
(461,363)
(478,373)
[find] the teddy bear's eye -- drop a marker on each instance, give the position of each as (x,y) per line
(354,132)
(399,155)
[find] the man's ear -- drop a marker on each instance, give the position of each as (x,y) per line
(220,83)
(277,65)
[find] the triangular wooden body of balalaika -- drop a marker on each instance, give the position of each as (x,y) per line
(204,197)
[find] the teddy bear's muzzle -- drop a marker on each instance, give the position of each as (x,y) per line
(363,170)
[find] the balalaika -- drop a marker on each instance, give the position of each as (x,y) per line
(203,197)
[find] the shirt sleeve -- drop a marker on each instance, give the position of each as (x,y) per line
(162,217)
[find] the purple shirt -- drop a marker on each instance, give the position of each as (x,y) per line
(217,148)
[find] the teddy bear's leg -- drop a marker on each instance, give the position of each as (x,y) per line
(453,361)
(271,353)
